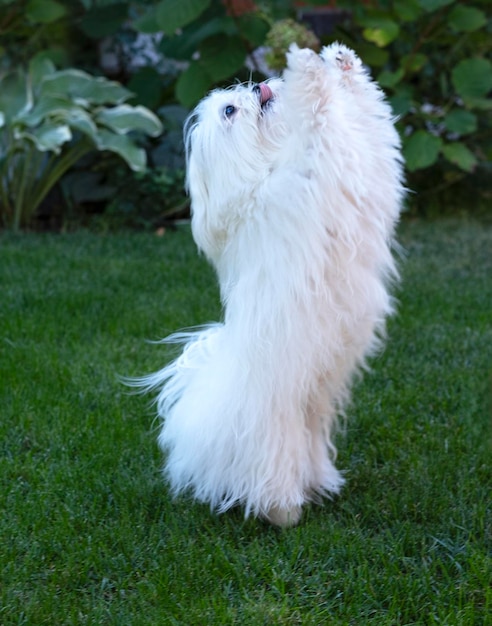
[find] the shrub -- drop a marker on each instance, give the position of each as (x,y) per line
(433,59)
(49,119)
(115,198)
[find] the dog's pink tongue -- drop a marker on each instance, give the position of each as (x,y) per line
(265,93)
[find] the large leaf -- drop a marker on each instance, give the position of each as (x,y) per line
(372,55)
(461,122)
(39,67)
(421,150)
(44,11)
(84,87)
(413,62)
(390,79)
(13,95)
(222,56)
(466,19)
(45,107)
(483,104)
(79,119)
(184,45)
(433,5)
(460,155)
(147,22)
(192,84)
(472,78)
(124,118)
(124,147)
(48,137)
(254,28)
(101,21)
(146,83)
(401,103)
(407,10)
(174,14)
(380,30)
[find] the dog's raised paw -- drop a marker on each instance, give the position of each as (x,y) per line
(284,518)
(340,56)
(345,60)
(302,59)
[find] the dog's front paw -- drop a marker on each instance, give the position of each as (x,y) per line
(341,58)
(302,60)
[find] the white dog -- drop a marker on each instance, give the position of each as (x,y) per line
(296,185)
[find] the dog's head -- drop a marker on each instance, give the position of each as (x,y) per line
(232,139)
(229,126)
(229,137)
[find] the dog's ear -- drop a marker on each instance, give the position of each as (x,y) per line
(197,188)
(200,209)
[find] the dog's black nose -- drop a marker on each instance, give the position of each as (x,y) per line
(257,89)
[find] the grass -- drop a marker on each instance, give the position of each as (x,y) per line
(88,531)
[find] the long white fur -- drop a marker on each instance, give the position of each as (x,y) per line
(295,206)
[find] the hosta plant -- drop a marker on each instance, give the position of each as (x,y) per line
(51,118)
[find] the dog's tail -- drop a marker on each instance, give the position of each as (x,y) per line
(174,376)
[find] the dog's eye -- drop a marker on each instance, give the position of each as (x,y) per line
(229,110)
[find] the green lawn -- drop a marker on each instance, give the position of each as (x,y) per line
(89,533)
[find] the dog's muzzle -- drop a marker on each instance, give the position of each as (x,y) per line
(264,93)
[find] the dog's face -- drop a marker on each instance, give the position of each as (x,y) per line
(230,140)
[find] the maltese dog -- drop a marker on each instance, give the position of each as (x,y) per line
(296,186)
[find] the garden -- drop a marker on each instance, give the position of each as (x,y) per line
(98,264)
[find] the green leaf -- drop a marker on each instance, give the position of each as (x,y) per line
(83,87)
(102,21)
(421,150)
(124,147)
(390,79)
(177,47)
(222,56)
(147,84)
(413,62)
(223,25)
(39,67)
(45,107)
(461,122)
(254,28)
(483,104)
(380,31)
(460,155)
(80,120)
(401,103)
(433,5)
(466,19)
(472,78)
(13,95)
(174,14)
(48,137)
(147,22)
(371,54)
(407,10)
(124,118)
(192,85)
(183,46)
(44,11)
